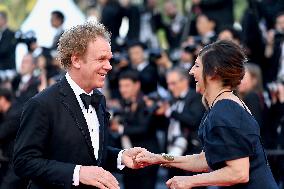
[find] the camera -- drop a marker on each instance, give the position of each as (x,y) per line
(118,57)
(154,54)
(28,38)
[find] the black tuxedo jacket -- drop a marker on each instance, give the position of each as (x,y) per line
(54,137)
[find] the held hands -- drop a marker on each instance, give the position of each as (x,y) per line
(147,158)
(129,157)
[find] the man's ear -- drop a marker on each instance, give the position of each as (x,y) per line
(76,61)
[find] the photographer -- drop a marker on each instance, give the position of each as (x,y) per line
(46,64)
(274,50)
(7,44)
(119,63)
(274,131)
(10,112)
(161,60)
(184,112)
(134,124)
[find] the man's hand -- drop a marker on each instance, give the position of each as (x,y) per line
(146,158)
(97,176)
(129,156)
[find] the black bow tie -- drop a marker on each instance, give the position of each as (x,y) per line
(93,99)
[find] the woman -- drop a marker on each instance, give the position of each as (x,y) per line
(251,92)
(232,152)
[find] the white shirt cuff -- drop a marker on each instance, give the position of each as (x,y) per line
(119,160)
(168,113)
(76,175)
(120,129)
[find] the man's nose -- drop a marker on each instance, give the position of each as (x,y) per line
(107,66)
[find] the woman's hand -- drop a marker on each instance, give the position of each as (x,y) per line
(180,182)
(147,158)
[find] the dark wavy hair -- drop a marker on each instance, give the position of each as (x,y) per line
(225,60)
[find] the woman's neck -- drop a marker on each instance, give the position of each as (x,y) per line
(214,92)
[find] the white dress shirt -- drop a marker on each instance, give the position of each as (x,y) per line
(91,118)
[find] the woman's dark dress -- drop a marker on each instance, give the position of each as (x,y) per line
(229,132)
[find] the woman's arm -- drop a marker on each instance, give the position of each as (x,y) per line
(193,163)
(236,171)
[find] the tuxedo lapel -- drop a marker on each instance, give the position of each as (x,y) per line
(100,111)
(71,104)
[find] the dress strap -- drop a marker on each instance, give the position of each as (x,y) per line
(244,105)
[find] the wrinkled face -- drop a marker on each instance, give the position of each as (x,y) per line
(176,84)
(248,83)
(27,66)
(136,54)
(91,69)
(197,72)
(128,89)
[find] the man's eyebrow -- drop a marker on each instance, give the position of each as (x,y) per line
(105,56)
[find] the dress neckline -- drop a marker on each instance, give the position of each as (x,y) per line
(241,106)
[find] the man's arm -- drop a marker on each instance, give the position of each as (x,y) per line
(30,147)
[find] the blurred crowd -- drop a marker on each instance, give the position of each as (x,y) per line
(151,96)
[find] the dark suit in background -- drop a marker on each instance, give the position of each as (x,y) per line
(189,119)
(7,49)
(24,91)
(139,127)
(9,126)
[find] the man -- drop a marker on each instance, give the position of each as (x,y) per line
(7,44)
(185,112)
(9,124)
(147,72)
(62,140)
(57,20)
(174,27)
(275,51)
(25,84)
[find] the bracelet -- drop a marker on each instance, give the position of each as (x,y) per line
(168,157)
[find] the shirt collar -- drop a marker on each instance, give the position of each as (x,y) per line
(184,93)
(26,78)
(141,66)
(77,90)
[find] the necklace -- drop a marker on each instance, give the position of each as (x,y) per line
(219,94)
